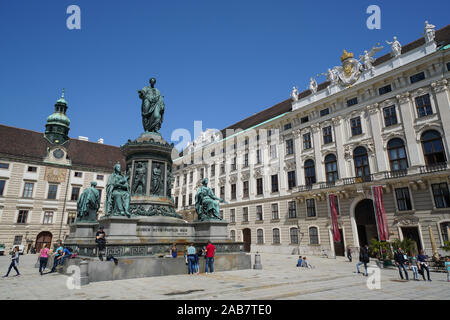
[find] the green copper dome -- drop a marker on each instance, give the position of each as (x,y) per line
(57,126)
(58,118)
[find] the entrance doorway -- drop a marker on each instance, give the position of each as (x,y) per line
(43,237)
(365,222)
(247,234)
(339,249)
(413,234)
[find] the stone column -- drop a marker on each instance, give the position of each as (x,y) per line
(374,118)
(316,137)
(339,139)
(298,145)
(442,104)
(408,115)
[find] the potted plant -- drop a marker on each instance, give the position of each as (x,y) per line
(382,251)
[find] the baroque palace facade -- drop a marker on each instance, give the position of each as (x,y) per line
(375,122)
(41,177)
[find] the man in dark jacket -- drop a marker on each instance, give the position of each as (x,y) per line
(363,258)
(400,260)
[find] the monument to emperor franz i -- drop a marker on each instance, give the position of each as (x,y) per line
(140,218)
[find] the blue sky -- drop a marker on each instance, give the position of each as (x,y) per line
(215,61)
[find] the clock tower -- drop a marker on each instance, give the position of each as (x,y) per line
(57,126)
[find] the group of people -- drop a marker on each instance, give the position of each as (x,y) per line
(302,262)
(59,256)
(192,257)
(418,264)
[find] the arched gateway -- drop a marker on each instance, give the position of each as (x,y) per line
(43,237)
(365,220)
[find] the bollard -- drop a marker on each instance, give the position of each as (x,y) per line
(257,264)
(84,276)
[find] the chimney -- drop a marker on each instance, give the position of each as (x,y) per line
(83,138)
(100,141)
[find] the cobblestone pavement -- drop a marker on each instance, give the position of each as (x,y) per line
(279,279)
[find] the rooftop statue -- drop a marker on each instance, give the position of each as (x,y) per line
(117,194)
(152,107)
(430,33)
(368,60)
(313,85)
(88,204)
(206,203)
(294,94)
(396,47)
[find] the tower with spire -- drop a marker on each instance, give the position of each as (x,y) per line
(58,124)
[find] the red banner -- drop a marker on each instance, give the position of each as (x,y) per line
(380,213)
(334,219)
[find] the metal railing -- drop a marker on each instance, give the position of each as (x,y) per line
(362,179)
(434,167)
(395,174)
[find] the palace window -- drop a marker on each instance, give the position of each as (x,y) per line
(28,190)
(202,173)
(275,183)
(310,172)
(233,164)
(275,213)
(276,236)
(423,106)
(291,180)
(313,235)
(246,190)
(444,230)
(245,214)
(259,186)
(75,193)
(327,135)
(307,141)
(233,191)
(191,177)
(32,169)
(260,236)
(390,116)
(232,215)
(287,126)
(246,160)
(324,112)
(78,174)
(441,195)
(222,192)
(292,209)
(361,161)
(273,151)
(289,146)
(403,199)
(17,240)
(48,217)
(213,170)
(397,154)
(352,102)
(310,207)
(433,148)
(258,156)
(385,89)
(2,187)
(417,77)
(52,191)
(22,216)
(233,235)
(293,233)
(304,119)
(213,154)
(190,199)
(185,178)
(259,213)
(100,177)
(331,168)
(4,165)
(71,217)
(178,181)
(356,126)
(222,168)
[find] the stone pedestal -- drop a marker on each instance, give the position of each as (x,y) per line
(120,228)
(83,230)
(211,230)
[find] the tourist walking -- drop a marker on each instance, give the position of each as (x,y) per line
(56,256)
(174,251)
(100,239)
(14,262)
(401,259)
(191,253)
(363,258)
(210,251)
(349,253)
(43,258)
(423,266)
(447,266)
(413,264)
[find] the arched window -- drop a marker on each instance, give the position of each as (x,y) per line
(397,154)
(293,232)
(433,149)
(276,236)
(313,235)
(310,172)
(445,226)
(331,168)
(361,161)
(233,235)
(259,236)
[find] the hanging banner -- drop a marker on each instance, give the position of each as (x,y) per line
(334,218)
(380,213)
